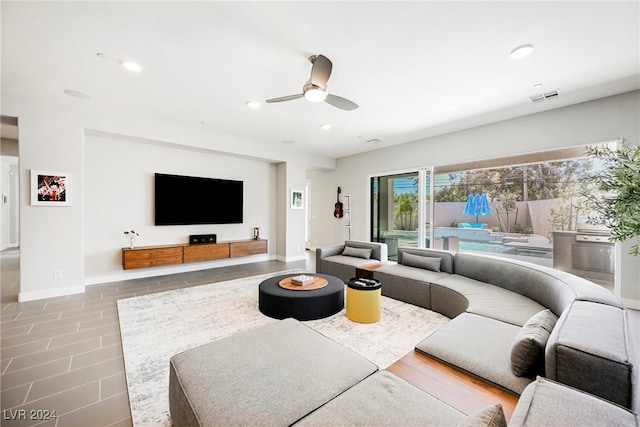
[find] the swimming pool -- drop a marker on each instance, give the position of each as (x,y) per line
(486,247)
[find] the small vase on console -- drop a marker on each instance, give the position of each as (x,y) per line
(132,238)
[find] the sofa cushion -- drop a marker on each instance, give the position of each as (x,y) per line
(380,251)
(427,263)
(527,352)
(478,345)
(484,299)
(357,252)
(489,416)
(553,289)
(348,260)
(547,403)
(384,400)
(262,376)
(446,257)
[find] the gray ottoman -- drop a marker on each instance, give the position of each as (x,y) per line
(384,400)
(273,375)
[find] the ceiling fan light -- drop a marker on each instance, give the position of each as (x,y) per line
(315,95)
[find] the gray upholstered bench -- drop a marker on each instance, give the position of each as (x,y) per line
(271,375)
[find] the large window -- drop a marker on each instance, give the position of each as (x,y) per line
(523,205)
(507,206)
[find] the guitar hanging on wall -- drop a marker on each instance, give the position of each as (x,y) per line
(338,212)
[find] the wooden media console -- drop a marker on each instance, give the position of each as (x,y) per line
(154,256)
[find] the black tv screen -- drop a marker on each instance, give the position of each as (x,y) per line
(182,200)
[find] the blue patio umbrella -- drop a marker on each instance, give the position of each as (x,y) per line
(477,204)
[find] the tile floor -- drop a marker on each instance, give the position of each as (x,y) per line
(61,358)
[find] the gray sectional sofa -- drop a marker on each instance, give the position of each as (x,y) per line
(492,301)
(342,260)
(560,342)
(286,374)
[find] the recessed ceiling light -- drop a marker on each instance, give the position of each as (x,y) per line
(325,126)
(374,141)
(131,66)
(125,63)
(521,51)
(253,104)
(77,94)
(537,85)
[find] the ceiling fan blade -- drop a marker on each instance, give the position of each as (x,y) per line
(340,102)
(321,71)
(284,98)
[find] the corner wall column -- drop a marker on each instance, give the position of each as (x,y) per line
(290,222)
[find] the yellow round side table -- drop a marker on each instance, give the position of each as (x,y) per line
(363,300)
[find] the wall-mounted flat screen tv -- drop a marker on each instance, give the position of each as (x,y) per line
(182,200)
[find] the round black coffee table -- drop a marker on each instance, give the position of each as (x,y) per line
(281,303)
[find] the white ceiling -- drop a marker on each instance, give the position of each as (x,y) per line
(416,69)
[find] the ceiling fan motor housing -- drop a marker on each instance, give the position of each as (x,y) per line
(314,93)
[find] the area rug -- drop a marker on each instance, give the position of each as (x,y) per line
(155,327)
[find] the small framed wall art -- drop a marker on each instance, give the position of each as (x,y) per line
(50,188)
(297,201)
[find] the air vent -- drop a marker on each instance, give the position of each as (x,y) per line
(544,96)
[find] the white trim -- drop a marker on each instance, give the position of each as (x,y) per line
(421,173)
(302,257)
(631,303)
(50,293)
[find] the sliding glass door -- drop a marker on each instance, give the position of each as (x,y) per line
(401,209)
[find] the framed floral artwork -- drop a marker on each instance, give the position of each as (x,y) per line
(50,188)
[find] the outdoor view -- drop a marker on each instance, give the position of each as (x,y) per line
(511,211)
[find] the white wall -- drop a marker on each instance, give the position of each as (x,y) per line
(581,124)
(119,196)
(52,137)
(292,221)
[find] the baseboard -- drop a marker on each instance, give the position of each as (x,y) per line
(49,293)
(181,268)
(302,257)
(631,303)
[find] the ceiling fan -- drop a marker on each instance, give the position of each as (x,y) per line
(315,89)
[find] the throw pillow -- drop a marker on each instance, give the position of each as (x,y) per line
(357,252)
(527,351)
(489,416)
(425,262)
